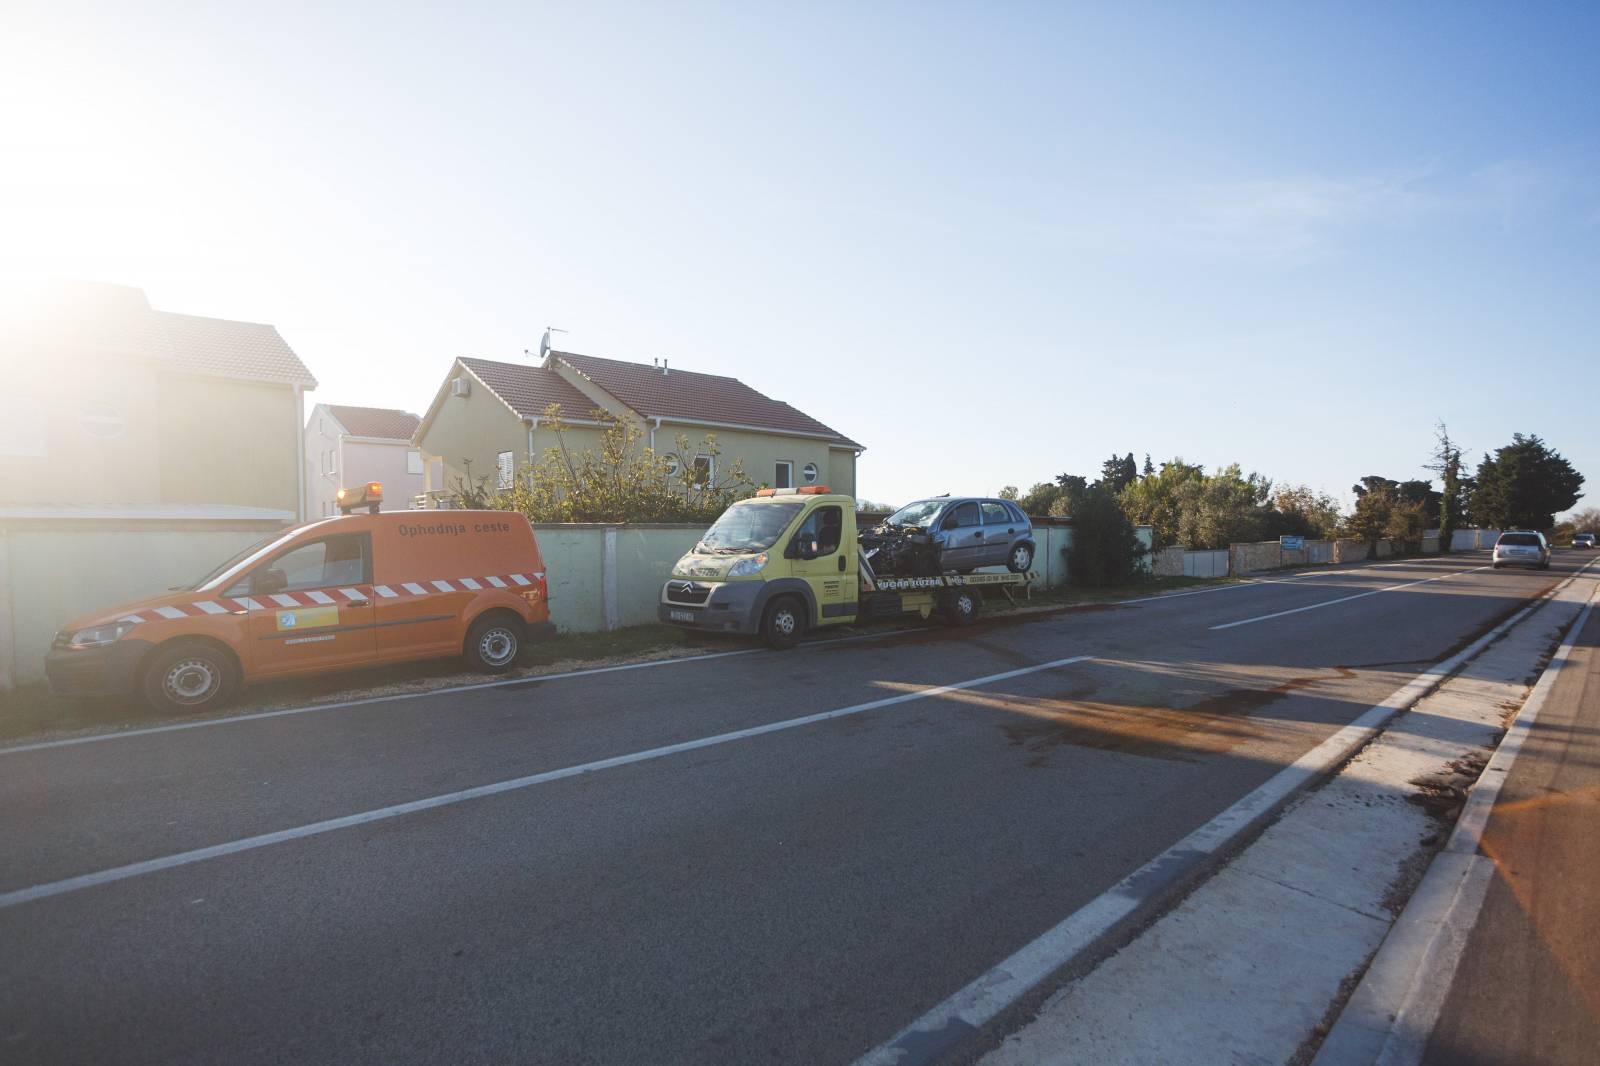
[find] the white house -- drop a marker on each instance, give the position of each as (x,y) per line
(348,446)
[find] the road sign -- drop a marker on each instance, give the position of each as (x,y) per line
(1292,544)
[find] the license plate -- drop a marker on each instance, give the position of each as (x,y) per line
(681,616)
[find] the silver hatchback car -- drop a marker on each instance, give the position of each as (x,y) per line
(1521,548)
(970,532)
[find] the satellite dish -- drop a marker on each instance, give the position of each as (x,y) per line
(544,342)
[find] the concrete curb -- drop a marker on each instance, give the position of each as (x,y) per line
(1390,1017)
(961,1017)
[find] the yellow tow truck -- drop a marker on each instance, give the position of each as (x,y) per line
(787,560)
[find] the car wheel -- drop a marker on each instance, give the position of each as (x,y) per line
(493,644)
(962,606)
(191,676)
(784,623)
(1021,559)
(1495,566)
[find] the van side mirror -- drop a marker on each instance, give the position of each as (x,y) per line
(808,548)
(266,582)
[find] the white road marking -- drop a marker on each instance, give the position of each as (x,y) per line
(1344,599)
(233,847)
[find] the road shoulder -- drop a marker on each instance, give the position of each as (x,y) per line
(1252,964)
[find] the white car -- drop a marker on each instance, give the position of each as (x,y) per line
(1522,548)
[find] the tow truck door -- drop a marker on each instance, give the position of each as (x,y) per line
(820,556)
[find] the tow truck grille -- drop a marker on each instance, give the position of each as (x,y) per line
(687,592)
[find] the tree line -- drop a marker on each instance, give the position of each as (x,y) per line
(1522,485)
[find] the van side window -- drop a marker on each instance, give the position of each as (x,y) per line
(341,560)
(826,525)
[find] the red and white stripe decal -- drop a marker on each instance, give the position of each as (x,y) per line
(321,598)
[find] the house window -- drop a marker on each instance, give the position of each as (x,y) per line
(783,477)
(673,465)
(330,461)
(705,468)
(413,462)
(504,468)
(809,472)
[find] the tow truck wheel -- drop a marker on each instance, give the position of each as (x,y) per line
(190,677)
(962,606)
(493,644)
(1020,559)
(784,623)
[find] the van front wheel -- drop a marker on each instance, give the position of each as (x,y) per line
(190,676)
(493,644)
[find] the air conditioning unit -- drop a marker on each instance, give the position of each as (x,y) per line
(460,387)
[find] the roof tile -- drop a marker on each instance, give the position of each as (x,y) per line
(384,423)
(528,390)
(224,348)
(695,397)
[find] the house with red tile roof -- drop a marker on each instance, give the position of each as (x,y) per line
(490,418)
(347,445)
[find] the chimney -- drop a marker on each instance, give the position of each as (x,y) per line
(663,368)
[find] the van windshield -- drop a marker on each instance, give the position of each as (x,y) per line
(264,542)
(747,527)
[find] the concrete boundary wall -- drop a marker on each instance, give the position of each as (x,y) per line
(53,571)
(601,576)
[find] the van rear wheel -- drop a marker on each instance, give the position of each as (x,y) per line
(493,644)
(190,676)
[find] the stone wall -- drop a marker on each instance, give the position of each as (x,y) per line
(1168,562)
(1349,551)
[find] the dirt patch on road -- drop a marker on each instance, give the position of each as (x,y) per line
(1216,724)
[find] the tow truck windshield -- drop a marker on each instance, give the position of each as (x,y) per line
(747,527)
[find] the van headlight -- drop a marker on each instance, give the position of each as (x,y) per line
(96,636)
(746,567)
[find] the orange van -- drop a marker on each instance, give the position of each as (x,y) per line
(356,590)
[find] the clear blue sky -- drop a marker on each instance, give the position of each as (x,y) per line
(993,242)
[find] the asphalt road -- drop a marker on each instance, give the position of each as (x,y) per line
(794,895)
(1528,987)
